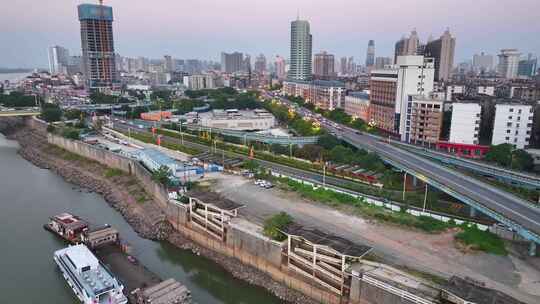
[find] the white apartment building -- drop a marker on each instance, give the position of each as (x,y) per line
(200,82)
(392,87)
(486,90)
(513,125)
(357,105)
(451,90)
(465,125)
(415,77)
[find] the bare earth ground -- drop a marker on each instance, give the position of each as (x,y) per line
(431,253)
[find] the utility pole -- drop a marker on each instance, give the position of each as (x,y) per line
(425,199)
(324,175)
(404,184)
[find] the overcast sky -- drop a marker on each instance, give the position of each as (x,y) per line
(203,28)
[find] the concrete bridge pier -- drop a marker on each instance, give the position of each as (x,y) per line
(532,248)
(472,212)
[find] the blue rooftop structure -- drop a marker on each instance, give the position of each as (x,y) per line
(359,94)
(95,12)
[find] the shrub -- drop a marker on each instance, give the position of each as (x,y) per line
(481,240)
(274,225)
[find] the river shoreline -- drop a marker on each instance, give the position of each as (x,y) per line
(145,218)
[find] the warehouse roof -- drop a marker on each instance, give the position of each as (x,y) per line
(473,292)
(215,199)
(317,237)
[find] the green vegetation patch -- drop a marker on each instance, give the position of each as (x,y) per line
(481,240)
(361,207)
(113,172)
(275,224)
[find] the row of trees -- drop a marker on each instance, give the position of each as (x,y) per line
(18,99)
(505,155)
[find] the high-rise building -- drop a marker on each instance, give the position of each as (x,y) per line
(351,66)
(324,66)
(527,67)
(343,66)
(391,89)
(407,45)
(370,56)
(232,63)
(509,63)
(301,51)
(513,125)
(75,65)
(58,60)
(169,63)
(381,62)
(281,65)
(482,62)
(98,46)
(442,50)
(424,120)
(260,64)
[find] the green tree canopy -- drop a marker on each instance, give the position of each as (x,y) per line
(275,224)
(162,176)
(51,112)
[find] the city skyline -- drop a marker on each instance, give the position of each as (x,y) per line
(196,25)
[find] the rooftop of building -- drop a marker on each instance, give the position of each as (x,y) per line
(321,83)
(157,156)
(476,293)
(236,114)
(318,237)
(359,94)
(212,198)
(95,12)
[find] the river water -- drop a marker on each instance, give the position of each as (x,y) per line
(30,195)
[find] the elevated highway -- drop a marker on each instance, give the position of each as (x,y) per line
(508,209)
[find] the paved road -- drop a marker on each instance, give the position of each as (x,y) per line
(502,202)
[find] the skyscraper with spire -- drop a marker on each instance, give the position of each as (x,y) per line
(301,51)
(370,56)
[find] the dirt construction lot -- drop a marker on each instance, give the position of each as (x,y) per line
(431,253)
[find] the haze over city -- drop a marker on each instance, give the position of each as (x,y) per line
(285,151)
(203,28)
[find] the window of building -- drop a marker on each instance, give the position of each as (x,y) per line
(509,124)
(511,110)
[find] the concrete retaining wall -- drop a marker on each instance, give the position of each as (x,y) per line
(250,249)
(113,160)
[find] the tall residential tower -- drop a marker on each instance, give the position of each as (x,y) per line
(58,60)
(442,50)
(301,50)
(98,46)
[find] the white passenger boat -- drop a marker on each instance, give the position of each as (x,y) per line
(91,282)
